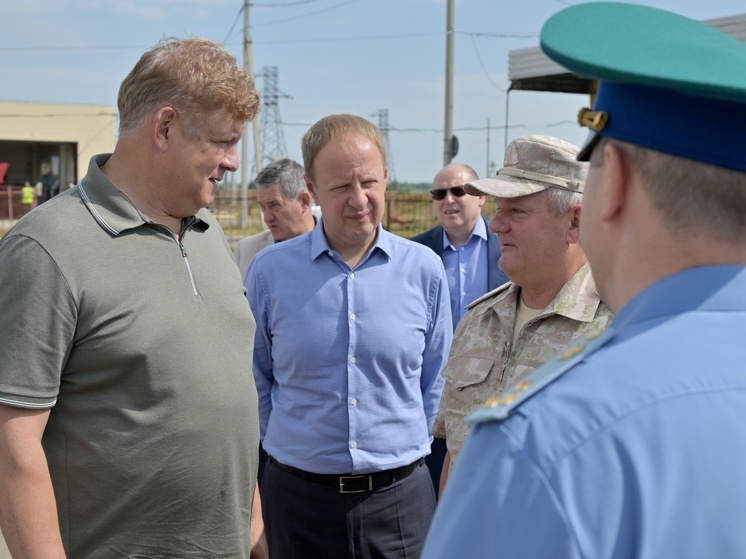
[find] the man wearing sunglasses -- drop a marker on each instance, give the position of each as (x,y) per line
(469,253)
(468,250)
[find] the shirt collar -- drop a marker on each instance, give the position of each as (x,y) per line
(577,299)
(111,209)
(706,288)
(319,244)
(479,231)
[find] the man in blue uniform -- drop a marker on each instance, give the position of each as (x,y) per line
(631,445)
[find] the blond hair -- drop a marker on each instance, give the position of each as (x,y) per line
(194,76)
(341,127)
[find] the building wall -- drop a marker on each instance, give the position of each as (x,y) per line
(90,127)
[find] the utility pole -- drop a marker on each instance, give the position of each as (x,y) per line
(249,69)
(450,145)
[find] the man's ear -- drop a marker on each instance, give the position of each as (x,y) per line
(617,174)
(163,123)
(573,231)
(305,199)
(311,188)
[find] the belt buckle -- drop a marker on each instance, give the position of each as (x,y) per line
(342,484)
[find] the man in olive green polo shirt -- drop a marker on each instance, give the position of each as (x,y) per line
(128,413)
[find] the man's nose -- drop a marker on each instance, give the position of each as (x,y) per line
(230,159)
(498,224)
(357,198)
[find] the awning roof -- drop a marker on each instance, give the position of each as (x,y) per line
(531,70)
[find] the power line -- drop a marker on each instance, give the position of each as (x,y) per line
(364,38)
(279,41)
(283,4)
(499,35)
(461,129)
(233,25)
(484,68)
(301,16)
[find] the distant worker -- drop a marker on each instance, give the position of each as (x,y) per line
(286,209)
(28,194)
(469,252)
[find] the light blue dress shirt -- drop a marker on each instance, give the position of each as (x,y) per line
(466,270)
(637,451)
(347,361)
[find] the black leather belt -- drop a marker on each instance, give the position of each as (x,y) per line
(354,483)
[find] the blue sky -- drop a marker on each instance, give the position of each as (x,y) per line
(357,56)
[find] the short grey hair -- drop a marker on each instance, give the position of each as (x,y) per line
(692,198)
(560,201)
(285,172)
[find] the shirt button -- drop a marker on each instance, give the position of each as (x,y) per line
(353,401)
(352,275)
(353,444)
(353,360)
(353,316)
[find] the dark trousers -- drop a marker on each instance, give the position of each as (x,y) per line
(434,461)
(305,520)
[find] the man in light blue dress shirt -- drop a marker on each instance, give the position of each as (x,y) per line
(353,329)
(631,445)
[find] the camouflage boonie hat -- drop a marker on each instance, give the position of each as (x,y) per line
(532,164)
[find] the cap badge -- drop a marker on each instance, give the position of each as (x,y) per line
(595,120)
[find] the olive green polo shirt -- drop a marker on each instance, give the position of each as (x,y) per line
(141,345)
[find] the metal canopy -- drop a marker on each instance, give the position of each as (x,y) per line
(531,70)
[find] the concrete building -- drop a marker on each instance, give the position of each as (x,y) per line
(62,136)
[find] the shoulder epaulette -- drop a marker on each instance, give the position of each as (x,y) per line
(489,294)
(499,407)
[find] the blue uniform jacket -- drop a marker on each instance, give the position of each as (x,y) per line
(627,446)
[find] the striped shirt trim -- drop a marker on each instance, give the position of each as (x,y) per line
(97,216)
(29,405)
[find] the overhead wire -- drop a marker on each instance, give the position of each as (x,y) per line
(301,16)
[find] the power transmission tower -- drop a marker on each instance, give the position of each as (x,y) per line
(383,126)
(273,137)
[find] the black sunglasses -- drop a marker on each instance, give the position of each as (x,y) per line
(440,193)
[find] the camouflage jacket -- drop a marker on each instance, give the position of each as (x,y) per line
(483,362)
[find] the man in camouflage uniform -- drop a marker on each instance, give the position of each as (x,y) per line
(551,299)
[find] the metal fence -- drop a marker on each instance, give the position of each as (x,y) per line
(407,213)
(11,207)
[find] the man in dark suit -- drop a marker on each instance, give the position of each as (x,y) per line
(469,253)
